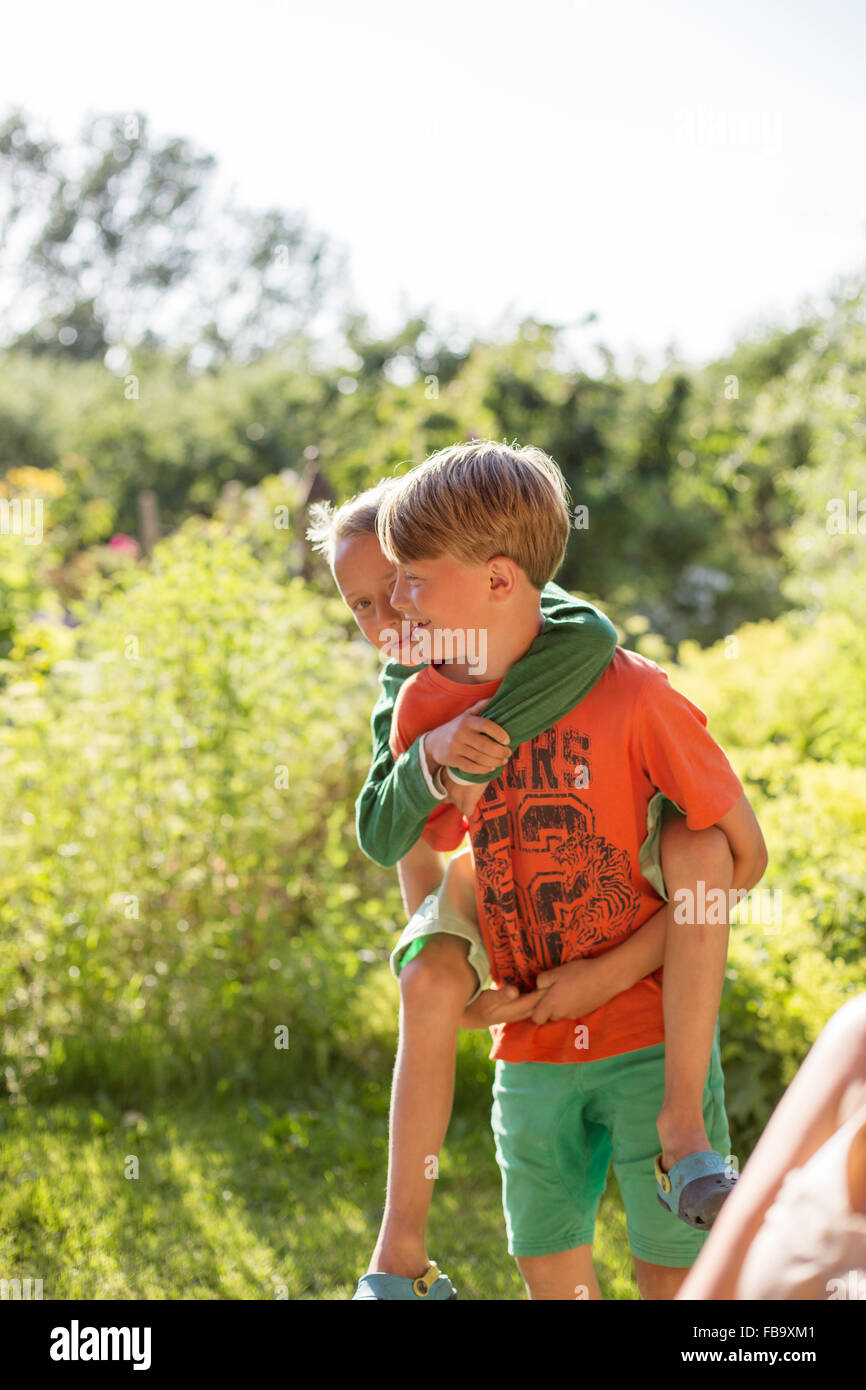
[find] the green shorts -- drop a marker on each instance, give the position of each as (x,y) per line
(558,1124)
(438,913)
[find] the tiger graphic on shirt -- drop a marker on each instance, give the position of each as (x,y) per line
(580,896)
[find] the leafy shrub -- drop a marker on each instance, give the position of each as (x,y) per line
(784,700)
(181,875)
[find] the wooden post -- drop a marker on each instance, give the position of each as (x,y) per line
(314,488)
(148,521)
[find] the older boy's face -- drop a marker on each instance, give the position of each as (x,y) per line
(365,578)
(442,593)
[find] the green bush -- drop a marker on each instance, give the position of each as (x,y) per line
(784,700)
(181,873)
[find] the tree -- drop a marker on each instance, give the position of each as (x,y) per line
(119,241)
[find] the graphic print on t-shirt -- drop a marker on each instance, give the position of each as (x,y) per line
(579,894)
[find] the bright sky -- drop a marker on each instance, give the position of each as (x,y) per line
(683,168)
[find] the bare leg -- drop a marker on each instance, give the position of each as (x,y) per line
(434,988)
(567,1275)
(694,970)
(657,1282)
(827,1090)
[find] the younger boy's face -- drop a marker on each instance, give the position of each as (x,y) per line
(366,578)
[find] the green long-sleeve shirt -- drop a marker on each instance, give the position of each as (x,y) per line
(564,662)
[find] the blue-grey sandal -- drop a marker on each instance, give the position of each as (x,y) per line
(430,1285)
(695,1188)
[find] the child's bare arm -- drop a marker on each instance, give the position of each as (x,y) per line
(464,798)
(749,851)
(587,984)
(420,874)
(579,987)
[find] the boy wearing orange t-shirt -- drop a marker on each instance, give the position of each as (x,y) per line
(559,840)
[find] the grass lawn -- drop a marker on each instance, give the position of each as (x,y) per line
(244,1199)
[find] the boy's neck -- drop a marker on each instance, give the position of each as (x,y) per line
(504,648)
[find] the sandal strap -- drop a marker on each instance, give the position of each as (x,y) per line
(705,1163)
(423,1284)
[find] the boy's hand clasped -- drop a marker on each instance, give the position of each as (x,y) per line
(469,743)
(572,990)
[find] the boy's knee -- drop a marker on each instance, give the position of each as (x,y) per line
(695,854)
(440,975)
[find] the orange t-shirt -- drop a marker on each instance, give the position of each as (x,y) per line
(556,840)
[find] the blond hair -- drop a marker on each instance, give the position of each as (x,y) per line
(474,501)
(356,517)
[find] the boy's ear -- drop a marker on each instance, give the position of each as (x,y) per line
(504,576)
